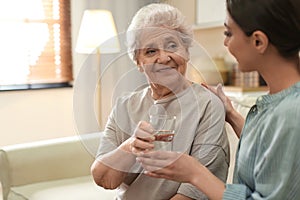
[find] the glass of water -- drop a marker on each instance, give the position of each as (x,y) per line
(164,127)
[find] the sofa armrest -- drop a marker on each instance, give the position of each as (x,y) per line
(4,176)
(47,160)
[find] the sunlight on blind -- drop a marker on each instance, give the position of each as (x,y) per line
(31,40)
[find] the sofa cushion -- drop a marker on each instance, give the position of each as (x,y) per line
(79,188)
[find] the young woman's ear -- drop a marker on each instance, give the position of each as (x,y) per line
(260,41)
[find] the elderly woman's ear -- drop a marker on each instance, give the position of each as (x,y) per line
(140,66)
(188,56)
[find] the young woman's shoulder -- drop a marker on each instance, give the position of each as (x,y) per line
(290,105)
(287,112)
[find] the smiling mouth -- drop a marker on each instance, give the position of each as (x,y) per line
(164,69)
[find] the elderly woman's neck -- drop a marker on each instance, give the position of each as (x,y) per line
(161,92)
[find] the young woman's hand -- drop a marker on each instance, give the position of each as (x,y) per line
(220,93)
(169,165)
(235,119)
(182,168)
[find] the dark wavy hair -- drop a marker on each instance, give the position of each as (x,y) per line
(278,19)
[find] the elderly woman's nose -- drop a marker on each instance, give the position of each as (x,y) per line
(163,56)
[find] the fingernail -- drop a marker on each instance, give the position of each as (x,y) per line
(204,85)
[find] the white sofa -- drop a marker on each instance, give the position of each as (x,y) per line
(57,169)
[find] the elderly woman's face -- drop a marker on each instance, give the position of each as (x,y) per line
(162,56)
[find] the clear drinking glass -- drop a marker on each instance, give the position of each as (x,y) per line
(164,127)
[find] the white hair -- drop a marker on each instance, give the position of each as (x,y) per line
(157,15)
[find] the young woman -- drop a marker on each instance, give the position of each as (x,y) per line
(263,36)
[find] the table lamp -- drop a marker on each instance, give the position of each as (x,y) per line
(97,35)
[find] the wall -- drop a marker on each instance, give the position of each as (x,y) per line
(35,115)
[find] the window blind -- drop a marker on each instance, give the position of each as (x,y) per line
(35,42)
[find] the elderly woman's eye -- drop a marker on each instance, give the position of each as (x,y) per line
(172,46)
(150,51)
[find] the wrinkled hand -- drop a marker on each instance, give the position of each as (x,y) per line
(141,141)
(169,165)
(220,93)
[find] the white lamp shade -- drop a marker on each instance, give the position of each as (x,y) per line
(97,33)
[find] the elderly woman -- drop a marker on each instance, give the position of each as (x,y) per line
(158,42)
